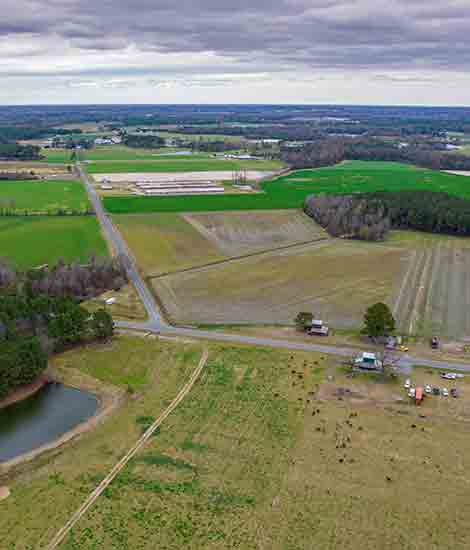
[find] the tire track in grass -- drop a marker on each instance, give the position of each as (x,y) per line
(455,307)
(410,289)
(414,316)
(399,298)
(428,310)
(92,498)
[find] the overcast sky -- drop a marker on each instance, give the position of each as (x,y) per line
(246,51)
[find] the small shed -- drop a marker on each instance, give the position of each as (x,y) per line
(368,360)
(419,395)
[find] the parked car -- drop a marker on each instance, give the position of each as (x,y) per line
(445,392)
(449,375)
(434,342)
(436,391)
(407,384)
(404,348)
(411,392)
(454,392)
(427,388)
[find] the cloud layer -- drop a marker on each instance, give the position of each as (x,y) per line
(151,43)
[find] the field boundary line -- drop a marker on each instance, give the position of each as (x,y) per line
(243,257)
(91,499)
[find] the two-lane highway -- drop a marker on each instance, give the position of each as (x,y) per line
(120,248)
(156,323)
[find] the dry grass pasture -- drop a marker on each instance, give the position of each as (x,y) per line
(126,307)
(424,278)
(39,168)
(245,232)
(435,293)
(336,280)
(263,453)
(165,242)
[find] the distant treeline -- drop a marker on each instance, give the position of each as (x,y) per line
(217,146)
(143,141)
(67,280)
(13,151)
(326,152)
(370,216)
(15,133)
(18,176)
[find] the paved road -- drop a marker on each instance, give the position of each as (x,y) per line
(156,323)
(117,242)
(404,361)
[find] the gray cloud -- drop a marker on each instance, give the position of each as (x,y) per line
(312,33)
(163,44)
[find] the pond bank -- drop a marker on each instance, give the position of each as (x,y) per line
(108,399)
(23,392)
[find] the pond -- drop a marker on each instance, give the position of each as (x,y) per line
(42,418)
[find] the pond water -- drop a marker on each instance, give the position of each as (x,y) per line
(42,418)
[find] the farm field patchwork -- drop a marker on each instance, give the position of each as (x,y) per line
(178,165)
(290,191)
(336,280)
(170,242)
(166,242)
(34,240)
(261,453)
(43,195)
(424,279)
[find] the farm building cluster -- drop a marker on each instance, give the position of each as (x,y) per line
(182,183)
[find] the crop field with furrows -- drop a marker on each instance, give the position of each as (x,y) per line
(290,191)
(178,165)
(165,242)
(39,168)
(43,196)
(34,240)
(337,280)
(435,293)
(239,233)
(271,449)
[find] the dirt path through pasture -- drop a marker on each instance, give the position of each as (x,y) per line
(91,499)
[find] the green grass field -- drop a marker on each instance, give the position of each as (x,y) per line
(264,452)
(44,195)
(31,241)
(165,164)
(57,155)
(291,190)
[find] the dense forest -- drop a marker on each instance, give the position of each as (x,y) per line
(40,313)
(326,152)
(351,216)
(144,141)
(370,216)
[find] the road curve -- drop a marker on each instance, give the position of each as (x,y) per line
(156,323)
(120,247)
